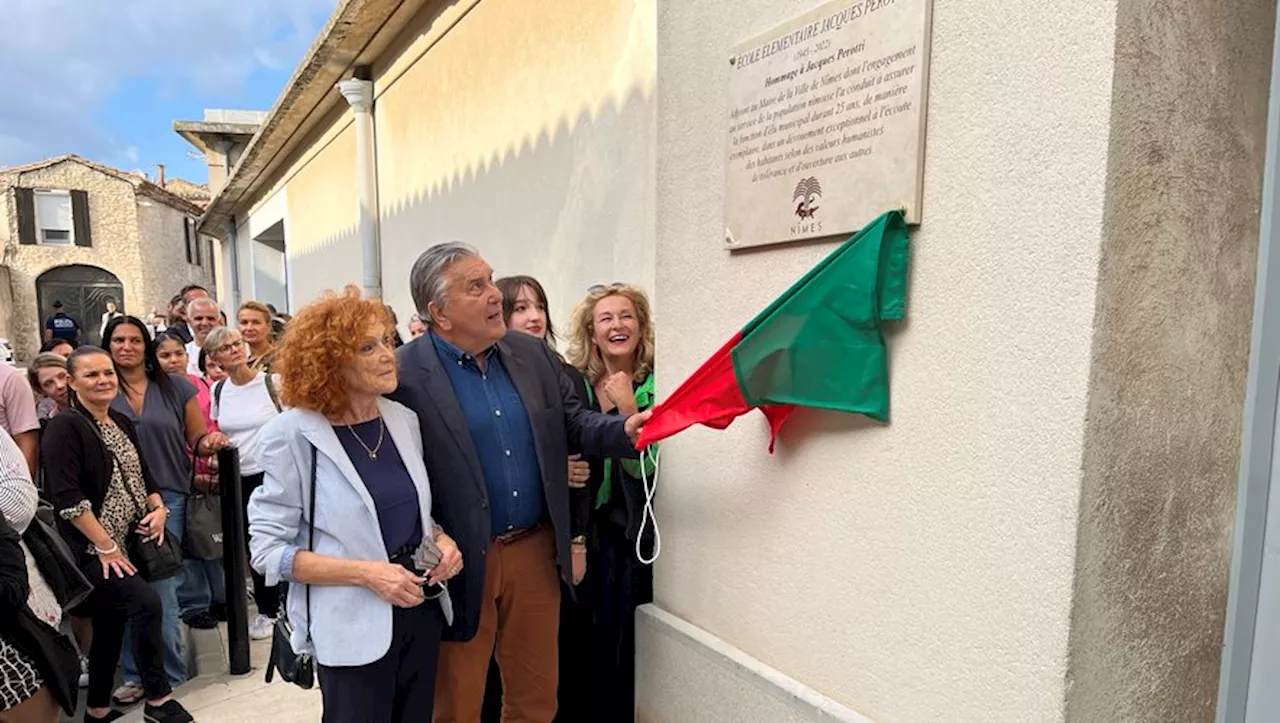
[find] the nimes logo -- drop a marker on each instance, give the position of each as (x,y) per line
(807,194)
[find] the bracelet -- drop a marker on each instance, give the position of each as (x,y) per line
(115,547)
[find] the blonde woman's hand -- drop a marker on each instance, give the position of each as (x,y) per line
(619,390)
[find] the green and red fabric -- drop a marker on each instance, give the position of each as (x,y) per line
(820,344)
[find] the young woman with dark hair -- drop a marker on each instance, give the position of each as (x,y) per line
(202,591)
(525,309)
(164,409)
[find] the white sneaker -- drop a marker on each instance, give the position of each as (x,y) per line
(84,672)
(261,628)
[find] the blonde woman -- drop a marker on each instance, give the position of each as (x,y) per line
(611,341)
(254,322)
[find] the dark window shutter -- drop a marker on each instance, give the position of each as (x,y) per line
(26,216)
(186,236)
(195,240)
(80,218)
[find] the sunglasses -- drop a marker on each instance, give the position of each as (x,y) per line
(600,288)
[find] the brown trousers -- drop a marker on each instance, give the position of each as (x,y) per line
(520,612)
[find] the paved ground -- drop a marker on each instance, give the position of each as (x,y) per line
(215,697)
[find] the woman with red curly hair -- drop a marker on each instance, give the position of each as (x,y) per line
(344,515)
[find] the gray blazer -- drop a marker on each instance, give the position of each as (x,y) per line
(346,527)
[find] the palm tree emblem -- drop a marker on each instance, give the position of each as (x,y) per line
(808,191)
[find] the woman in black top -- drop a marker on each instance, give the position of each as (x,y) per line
(612,345)
(103,491)
(524,309)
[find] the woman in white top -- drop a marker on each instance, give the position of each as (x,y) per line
(243,403)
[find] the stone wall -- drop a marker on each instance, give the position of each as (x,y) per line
(134,238)
(1171,350)
(162,247)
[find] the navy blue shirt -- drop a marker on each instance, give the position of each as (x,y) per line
(389,484)
(502,435)
(62,326)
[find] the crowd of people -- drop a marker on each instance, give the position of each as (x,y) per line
(457,519)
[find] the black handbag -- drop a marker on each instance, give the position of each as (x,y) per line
(54,559)
(155,560)
(203,540)
(294,667)
(204,527)
(53,654)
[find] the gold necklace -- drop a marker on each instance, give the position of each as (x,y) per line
(373,453)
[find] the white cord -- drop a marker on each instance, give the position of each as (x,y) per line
(647,514)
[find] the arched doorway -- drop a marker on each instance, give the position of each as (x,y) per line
(84,291)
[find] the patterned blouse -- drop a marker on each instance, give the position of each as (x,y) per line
(126,498)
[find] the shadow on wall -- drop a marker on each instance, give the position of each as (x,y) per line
(574,208)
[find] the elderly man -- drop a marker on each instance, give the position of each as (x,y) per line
(204,316)
(178,309)
(497,417)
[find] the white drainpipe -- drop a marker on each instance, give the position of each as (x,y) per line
(232,260)
(359,93)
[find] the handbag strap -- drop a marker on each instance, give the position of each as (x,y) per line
(311,530)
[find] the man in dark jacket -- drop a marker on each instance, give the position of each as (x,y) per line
(497,415)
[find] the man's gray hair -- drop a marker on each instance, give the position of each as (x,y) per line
(202,301)
(427,281)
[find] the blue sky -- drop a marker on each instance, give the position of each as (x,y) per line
(107,78)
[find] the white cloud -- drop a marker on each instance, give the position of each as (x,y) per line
(64,58)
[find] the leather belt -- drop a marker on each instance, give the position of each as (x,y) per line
(517,535)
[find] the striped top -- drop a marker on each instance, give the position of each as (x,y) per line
(18,498)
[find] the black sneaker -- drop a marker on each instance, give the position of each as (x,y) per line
(114,715)
(170,712)
(201,621)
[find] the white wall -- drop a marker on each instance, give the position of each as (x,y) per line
(262,268)
(919,571)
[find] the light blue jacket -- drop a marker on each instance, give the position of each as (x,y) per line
(350,624)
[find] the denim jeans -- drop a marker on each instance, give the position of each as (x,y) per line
(204,583)
(175,661)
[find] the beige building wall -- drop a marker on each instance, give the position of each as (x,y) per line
(919,571)
(320,220)
(540,154)
(1043,531)
(526,129)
